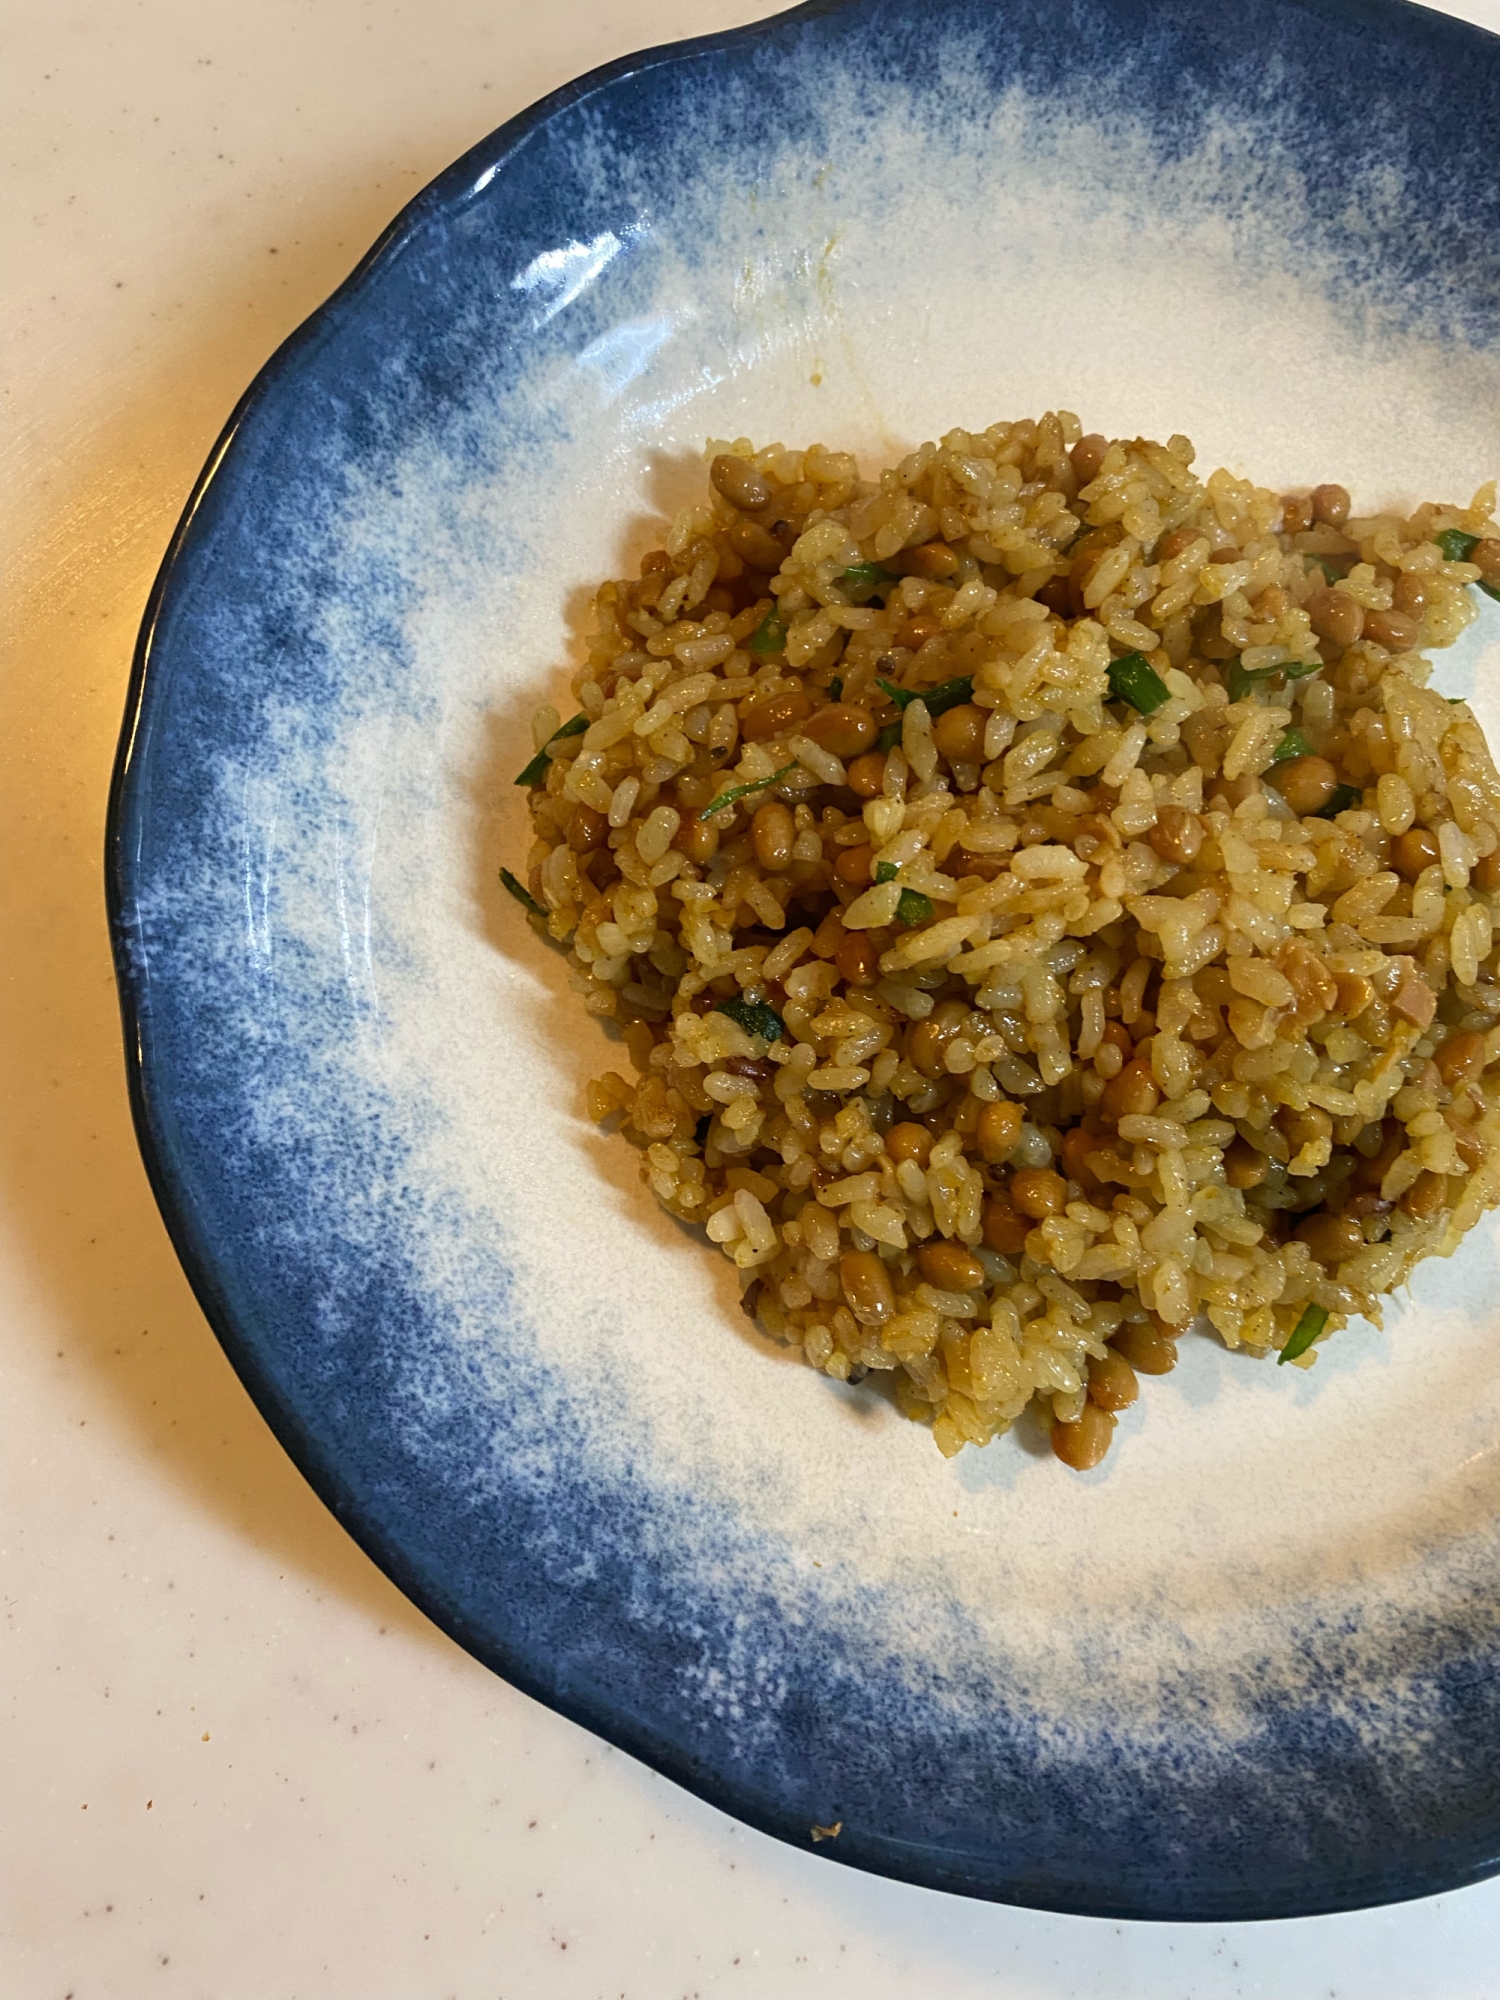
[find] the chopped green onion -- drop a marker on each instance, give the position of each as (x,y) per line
(889,737)
(1342,799)
(1456,545)
(522,896)
(756,1017)
(1333,569)
(1303,1334)
(886,871)
(769,635)
(913,908)
(1459,547)
(1132,678)
(532,775)
(866,576)
(949,694)
(737,792)
(938,700)
(1293,744)
(902,697)
(1242,681)
(836,688)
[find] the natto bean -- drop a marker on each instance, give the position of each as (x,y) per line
(739,482)
(1330,505)
(757,546)
(1332,1239)
(950,1267)
(852,866)
(1147,1347)
(1244,1167)
(1306,783)
(1112,1382)
(1083,1444)
(998,1131)
(1038,1192)
(959,734)
(1087,457)
(1005,1231)
(1132,1094)
(866,1287)
(773,830)
(1177,835)
(1426,1197)
(587,830)
(842,728)
(866,775)
(1391,629)
(909,1141)
(857,958)
(772,714)
(1414,851)
(1335,616)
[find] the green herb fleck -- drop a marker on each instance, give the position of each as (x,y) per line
(737,792)
(886,871)
(913,908)
(756,1017)
(889,737)
(1459,547)
(902,697)
(938,700)
(1293,744)
(1132,678)
(1242,681)
(1333,570)
(532,775)
(836,688)
(1304,1333)
(769,635)
(1456,545)
(949,694)
(522,896)
(867,577)
(1454,700)
(1342,799)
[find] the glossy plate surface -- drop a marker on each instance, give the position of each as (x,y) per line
(1248,1667)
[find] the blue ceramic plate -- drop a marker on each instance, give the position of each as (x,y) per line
(1248,1667)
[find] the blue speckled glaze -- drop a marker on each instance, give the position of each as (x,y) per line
(1248,1668)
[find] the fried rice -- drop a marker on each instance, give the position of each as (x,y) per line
(1044,904)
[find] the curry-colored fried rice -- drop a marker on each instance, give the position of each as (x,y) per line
(1043,903)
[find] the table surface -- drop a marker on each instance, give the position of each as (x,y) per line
(240,1765)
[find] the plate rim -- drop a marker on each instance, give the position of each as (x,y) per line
(914,1864)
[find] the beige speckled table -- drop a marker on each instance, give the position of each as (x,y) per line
(237,1764)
